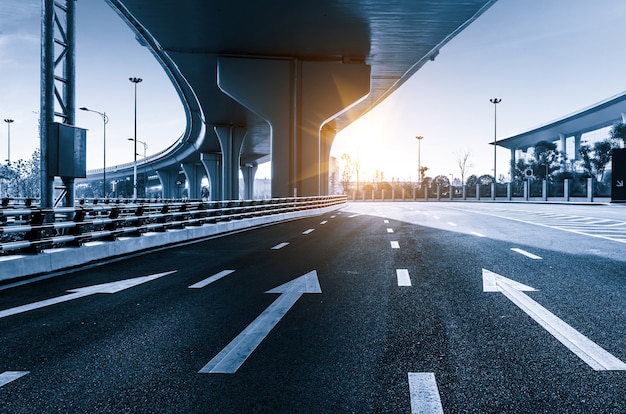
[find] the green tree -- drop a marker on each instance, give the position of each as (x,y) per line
(618,132)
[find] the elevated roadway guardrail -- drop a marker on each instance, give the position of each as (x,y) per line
(35,240)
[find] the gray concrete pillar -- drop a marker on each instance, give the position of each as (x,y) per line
(296,98)
(248,171)
(212,164)
(577,139)
(168,178)
(194,172)
(231,139)
(563,141)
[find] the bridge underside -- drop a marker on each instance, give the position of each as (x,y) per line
(276,81)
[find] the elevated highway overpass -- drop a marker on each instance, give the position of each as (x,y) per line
(276,81)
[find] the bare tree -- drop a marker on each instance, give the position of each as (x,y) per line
(462,159)
(347,169)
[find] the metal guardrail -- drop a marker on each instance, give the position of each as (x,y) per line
(25,228)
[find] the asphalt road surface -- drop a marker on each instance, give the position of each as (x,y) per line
(374,308)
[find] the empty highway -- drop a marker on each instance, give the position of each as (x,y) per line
(373,308)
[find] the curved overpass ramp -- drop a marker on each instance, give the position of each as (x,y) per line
(276,81)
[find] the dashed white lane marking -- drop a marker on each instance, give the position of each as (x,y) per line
(333,216)
(211,279)
(389,230)
(403,277)
(395,245)
(525,253)
(386,221)
(424,393)
(324,222)
(10,376)
(354,215)
(309,231)
(475,233)
(280,246)
(451,223)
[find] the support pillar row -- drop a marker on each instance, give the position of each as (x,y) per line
(296,98)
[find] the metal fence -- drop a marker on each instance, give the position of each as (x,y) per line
(25,228)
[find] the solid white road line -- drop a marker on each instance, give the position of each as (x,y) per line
(403,277)
(211,279)
(309,231)
(280,246)
(424,393)
(10,376)
(395,245)
(525,253)
(389,230)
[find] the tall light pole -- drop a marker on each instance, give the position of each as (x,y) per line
(135,81)
(9,122)
(105,120)
(495,102)
(145,148)
(419,163)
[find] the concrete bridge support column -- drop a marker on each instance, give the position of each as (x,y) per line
(296,98)
(168,179)
(248,171)
(194,173)
(231,138)
(212,165)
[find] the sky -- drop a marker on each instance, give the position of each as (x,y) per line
(544,58)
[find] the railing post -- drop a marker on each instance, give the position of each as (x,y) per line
(526,190)
(477,191)
(509,191)
(590,189)
(566,189)
(544,190)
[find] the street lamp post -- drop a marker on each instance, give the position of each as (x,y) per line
(495,102)
(105,120)
(145,148)
(419,164)
(9,122)
(135,81)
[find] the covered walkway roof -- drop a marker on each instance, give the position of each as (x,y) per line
(600,115)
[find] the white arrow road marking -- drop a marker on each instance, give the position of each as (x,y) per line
(211,279)
(280,246)
(403,277)
(239,349)
(424,393)
(10,376)
(591,353)
(525,253)
(112,287)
